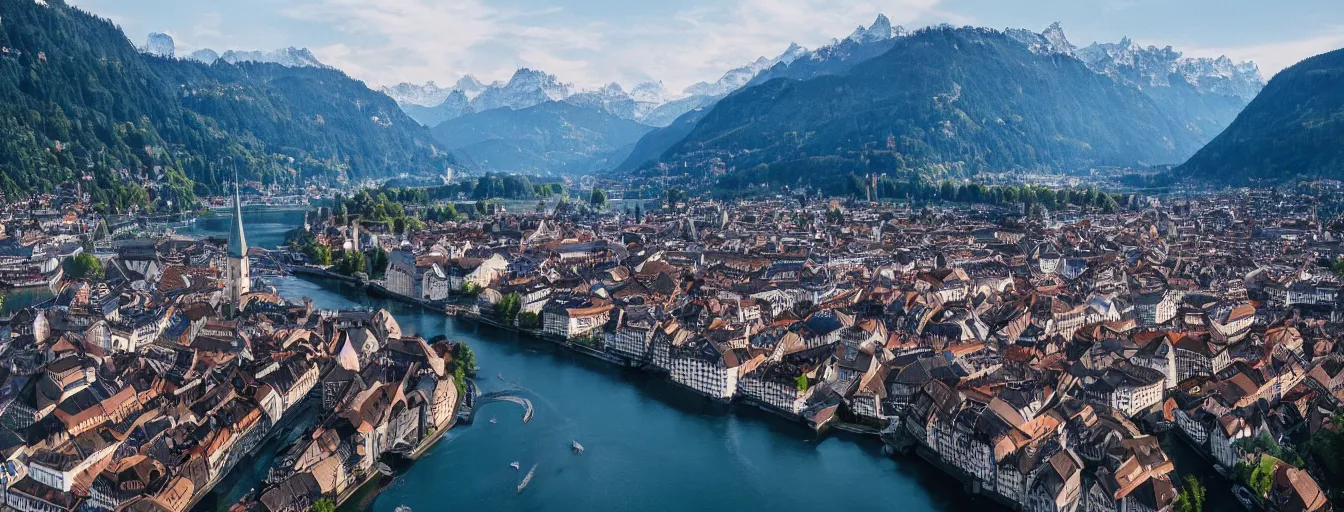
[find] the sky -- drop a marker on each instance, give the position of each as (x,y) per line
(592,42)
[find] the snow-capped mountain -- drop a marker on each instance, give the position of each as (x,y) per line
(880,30)
(453,106)
(1206,94)
(470,87)
(838,56)
(1222,76)
(735,78)
(526,88)
(1146,67)
(1050,41)
(205,55)
(292,57)
(430,94)
(427,95)
(650,92)
(1156,67)
(610,98)
(159,44)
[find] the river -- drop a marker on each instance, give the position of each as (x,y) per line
(264,226)
(649,445)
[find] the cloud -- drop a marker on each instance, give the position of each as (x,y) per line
(422,40)
(1272,57)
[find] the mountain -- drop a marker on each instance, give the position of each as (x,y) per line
(735,78)
(328,123)
(203,55)
(548,138)
(292,57)
(1292,128)
(427,95)
(839,56)
(524,89)
(453,106)
(941,101)
(611,98)
(80,104)
(659,140)
(1161,67)
(1204,94)
(470,86)
(880,30)
(430,104)
(669,112)
(159,45)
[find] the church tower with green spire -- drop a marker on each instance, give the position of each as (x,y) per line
(239,279)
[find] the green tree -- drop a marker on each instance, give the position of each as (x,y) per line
(323,505)
(598,198)
(1191,498)
(83,266)
(509,306)
(465,360)
(801,382)
(377,259)
(471,289)
(529,320)
(317,253)
(352,262)
(1261,476)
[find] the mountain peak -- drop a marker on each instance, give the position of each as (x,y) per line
(880,30)
(468,82)
(159,44)
(792,53)
(1049,42)
(291,57)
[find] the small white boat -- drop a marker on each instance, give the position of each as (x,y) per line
(578,448)
(492,420)
(527,479)
(514,464)
(403,508)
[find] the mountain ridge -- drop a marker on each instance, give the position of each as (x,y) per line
(1291,129)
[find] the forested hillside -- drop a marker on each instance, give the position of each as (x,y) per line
(942,102)
(1293,128)
(79,103)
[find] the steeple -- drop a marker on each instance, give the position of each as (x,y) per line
(239,277)
(237,242)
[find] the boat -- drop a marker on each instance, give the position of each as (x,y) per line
(527,479)
(514,464)
(492,420)
(578,448)
(403,508)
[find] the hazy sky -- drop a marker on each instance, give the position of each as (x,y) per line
(590,42)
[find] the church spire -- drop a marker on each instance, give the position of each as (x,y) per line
(237,242)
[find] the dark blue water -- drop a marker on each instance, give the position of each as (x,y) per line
(263,226)
(649,445)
